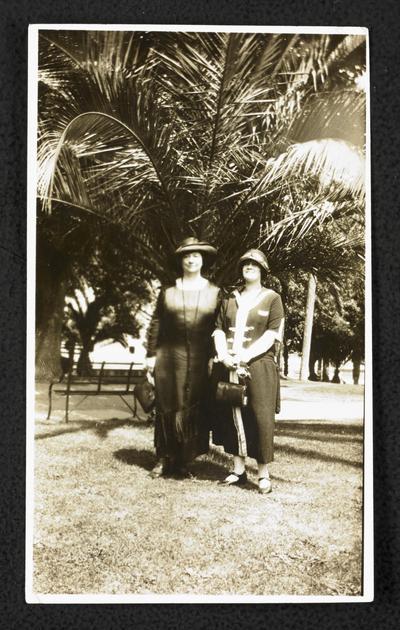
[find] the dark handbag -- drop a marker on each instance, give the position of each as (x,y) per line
(234,394)
(146,394)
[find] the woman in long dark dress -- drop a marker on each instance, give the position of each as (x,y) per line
(248,331)
(180,346)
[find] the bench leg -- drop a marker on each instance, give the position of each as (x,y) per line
(76,406)
(66,407)
(50,400)
(134,409)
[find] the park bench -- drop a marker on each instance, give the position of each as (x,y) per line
(105,379)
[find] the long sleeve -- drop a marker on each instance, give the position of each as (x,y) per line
(154,332)
(219,336)
(276,318)
(220,311)
(221,346)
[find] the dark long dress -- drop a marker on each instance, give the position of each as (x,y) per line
(253,434)
(180,336)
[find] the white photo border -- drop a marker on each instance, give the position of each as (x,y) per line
(368,538)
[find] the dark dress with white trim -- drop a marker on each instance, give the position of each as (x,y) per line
(258,417)
(180,336)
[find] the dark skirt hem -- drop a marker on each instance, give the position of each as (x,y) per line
(184,447)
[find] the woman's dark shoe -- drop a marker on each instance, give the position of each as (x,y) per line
(233,479)
(182,472)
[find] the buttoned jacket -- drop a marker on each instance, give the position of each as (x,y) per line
(244,322)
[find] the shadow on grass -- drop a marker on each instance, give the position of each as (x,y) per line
(103,428)
(133,457)
(206,469)
(209,470)
(320,432)
(308,454)
(100,428)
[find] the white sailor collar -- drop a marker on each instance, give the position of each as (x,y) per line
(250,302)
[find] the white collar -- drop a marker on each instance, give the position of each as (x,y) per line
(250,301)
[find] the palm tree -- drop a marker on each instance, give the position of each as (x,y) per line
(245,139)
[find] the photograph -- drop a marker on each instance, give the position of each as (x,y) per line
(199,345)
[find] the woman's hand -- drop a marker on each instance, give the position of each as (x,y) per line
(244,356)
(150,364)
(228,362)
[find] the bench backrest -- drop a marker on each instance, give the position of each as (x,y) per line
(101,374)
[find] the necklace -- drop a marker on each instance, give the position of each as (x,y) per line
(195,315)
(188,342)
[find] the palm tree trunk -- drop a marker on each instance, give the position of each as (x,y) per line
(308,324)
(50,297)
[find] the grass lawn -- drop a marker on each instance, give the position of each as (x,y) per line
(102,525)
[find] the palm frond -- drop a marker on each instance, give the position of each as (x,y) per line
(344,48)
(175,133)
(332,162)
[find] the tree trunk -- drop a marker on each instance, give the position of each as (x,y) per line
(51,271)
(67,364)
(285,354)
(325,375)
(70,345)
(84,365)
(356,370)
(336,376)
(308,323)
(313,376)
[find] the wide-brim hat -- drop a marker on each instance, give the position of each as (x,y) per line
(192,244)
(257,256)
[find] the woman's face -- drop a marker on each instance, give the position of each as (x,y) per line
(192,262)
(251,272)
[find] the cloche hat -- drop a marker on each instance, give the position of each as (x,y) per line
(192,244)
(256,256)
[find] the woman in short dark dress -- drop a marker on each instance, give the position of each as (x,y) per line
(179,348)
(248,331)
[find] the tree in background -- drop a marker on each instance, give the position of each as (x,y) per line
(64,240)
(109,291)
(244,139)
(74,253)
(338,334)
(338,330)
